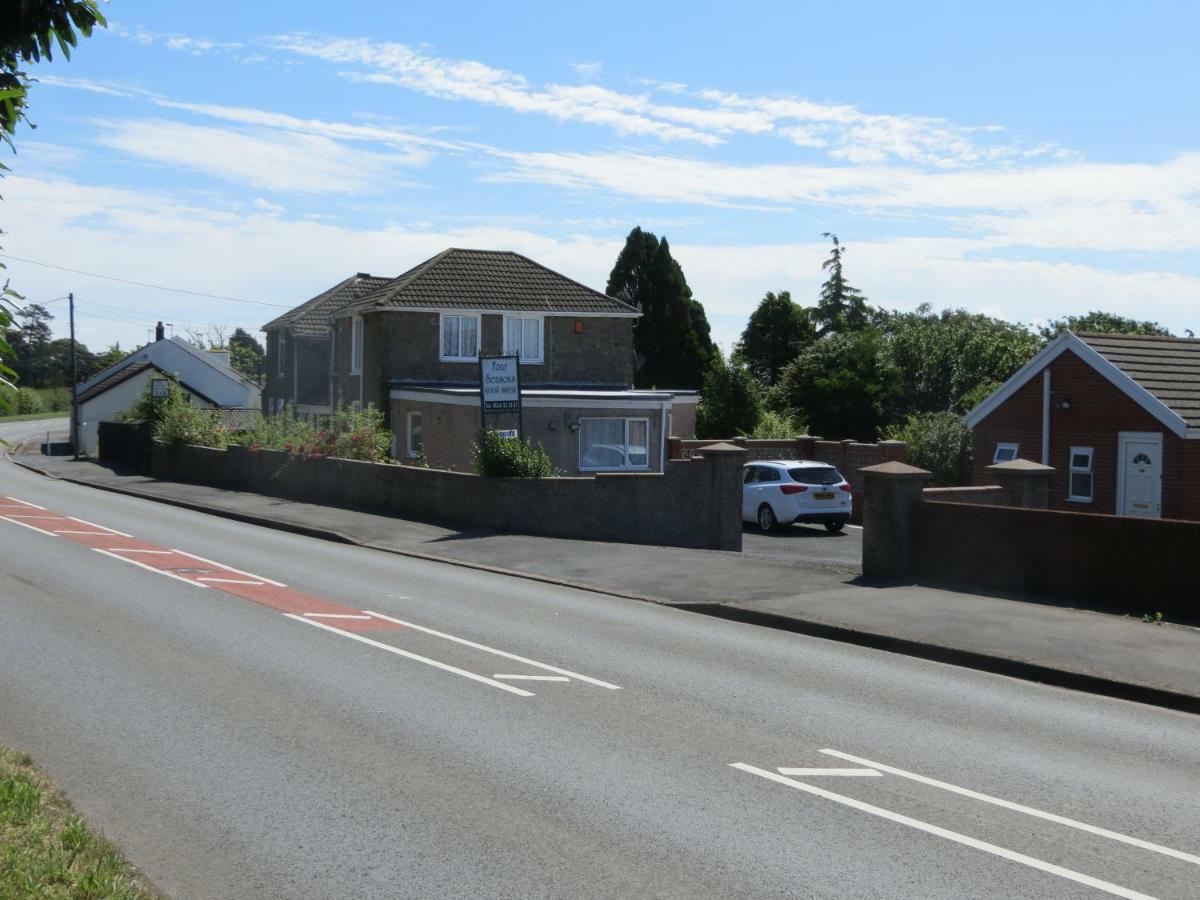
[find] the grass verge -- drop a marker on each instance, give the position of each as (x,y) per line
(47,851)
(30,417)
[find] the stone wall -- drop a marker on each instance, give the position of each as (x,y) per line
(695,503)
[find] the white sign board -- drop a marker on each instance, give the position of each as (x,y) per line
(501,383)
(159,388)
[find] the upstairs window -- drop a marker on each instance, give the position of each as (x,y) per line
(1005,453)
(281,352)
(460,338)
(1080,474)
(356,345)
(523,337)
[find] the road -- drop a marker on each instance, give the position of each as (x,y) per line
(250,713)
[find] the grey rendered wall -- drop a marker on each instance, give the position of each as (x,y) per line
(695,503)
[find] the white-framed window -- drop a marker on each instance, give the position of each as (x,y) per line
(460,338)
(281,352)
(412,442)
(356,345)
(523,337)
(614,444)
(1079,472)
(1005,453)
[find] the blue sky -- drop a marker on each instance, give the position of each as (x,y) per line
(1025,160)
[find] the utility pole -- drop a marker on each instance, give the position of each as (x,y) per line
(74,383)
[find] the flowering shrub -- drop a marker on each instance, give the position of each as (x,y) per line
(174,420)
(347,434)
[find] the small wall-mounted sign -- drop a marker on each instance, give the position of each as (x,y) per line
(510,433)
(159,387)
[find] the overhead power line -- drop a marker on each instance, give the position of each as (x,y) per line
(145,284)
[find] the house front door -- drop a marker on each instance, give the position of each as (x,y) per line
(1139,474)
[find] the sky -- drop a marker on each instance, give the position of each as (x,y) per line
(1025,160)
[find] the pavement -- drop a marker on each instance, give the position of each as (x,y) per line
(802,581)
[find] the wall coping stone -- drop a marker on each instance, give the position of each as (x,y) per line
(894,469)
(1023,466)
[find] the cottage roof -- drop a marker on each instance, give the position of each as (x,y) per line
(1167,367)
(1160,374)
(489,280)
(313,317)
(119,376)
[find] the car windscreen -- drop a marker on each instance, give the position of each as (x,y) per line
(816,475)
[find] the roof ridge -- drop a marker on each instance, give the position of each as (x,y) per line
(1135,337)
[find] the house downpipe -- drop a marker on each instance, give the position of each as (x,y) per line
(1046,416)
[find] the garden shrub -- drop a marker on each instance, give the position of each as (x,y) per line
(497,456)
(174,421)
(347,434)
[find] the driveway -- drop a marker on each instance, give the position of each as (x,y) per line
(807,545)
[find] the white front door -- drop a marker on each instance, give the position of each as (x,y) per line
(1139,474)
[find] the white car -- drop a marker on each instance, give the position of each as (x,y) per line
(780,492)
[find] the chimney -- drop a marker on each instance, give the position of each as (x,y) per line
(160,332)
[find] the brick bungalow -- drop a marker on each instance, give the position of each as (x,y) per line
(1117,416)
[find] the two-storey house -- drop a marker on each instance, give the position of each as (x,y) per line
(299,347)
(412,347)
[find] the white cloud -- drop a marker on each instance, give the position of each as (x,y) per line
(588,70)
(285,161)
(259,252)
(1072,205)
(844,131)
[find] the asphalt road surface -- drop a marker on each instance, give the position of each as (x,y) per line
(250,713)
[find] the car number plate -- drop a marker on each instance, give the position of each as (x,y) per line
(823,495)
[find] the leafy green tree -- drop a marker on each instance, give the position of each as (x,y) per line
(28,30)
(1108,323)
(844,384)
(28,344)
(246,354)
(730,402)
(110,357)
(672,338)
(945,357)
(841,307)
(778,329)
(778,426)
(939,442)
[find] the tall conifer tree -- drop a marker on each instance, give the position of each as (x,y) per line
(672,338)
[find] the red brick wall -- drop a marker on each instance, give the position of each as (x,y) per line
(1137,565)
(1099,411)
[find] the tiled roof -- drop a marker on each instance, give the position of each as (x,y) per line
(113,380)
(1168,368)
(489,279)
(123,375)
(314,316)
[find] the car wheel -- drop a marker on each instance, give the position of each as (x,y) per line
(834,527)
(766,518)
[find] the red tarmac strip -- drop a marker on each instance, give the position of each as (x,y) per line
(185,567)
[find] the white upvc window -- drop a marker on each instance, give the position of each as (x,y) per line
(1005,453)
(614,444)
(523,337)
(413,444)
(281,352)
(1079,473)
(460,338)
(356,345)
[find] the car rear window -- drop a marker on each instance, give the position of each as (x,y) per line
(816,476)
